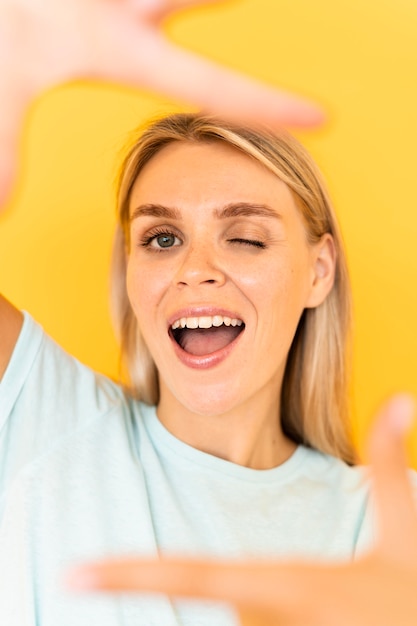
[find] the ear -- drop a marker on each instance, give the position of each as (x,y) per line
(324,270)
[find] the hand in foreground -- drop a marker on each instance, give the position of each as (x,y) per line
(377,590)
(47,42)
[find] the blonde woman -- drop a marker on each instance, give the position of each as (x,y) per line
(232,303)
(232,439)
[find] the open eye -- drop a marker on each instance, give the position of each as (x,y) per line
(167,240)
(161,240)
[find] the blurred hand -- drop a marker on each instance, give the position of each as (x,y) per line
(377,590)
(47,42)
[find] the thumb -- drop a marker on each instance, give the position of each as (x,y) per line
(13,110)
(8,163)
(394,503)
(14,100)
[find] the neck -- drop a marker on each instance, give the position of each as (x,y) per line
(248,435)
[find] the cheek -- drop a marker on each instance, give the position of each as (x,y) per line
(281,289)
(145,288)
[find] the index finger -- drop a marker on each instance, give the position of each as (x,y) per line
(187,76)
(266,585)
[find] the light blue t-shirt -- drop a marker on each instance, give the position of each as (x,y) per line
(88,473)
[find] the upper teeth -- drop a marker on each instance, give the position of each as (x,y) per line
(205,322)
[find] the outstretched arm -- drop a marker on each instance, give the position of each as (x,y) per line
(378,590)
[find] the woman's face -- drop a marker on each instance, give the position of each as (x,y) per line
(219,272)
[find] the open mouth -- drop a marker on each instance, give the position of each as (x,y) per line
(201,336)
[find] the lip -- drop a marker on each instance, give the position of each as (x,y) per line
(208,360)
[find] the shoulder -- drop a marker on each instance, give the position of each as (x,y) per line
(339,495)
(45,396)
(42,372)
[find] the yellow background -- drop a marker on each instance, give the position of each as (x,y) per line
(358,58)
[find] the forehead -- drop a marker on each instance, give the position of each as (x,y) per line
(207,173)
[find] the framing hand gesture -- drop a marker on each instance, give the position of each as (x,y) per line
(44,43)
(377,590)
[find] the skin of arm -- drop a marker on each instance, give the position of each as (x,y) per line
(377,590)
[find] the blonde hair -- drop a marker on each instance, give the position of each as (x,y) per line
(314,398)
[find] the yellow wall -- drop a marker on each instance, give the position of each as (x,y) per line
(358,58)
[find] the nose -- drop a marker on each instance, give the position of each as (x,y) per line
(200,266)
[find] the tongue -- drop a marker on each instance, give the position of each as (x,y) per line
(203,341)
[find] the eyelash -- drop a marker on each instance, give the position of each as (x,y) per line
(249,242)
(147,240)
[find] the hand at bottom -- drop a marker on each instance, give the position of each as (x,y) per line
(377,590)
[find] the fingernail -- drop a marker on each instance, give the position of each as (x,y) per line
(401,411)
(81,578)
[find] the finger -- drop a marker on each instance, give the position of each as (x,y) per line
(394,502)
(215,89)
(10,134)
(190,578)
(7,173)
(13,103)
(286,589)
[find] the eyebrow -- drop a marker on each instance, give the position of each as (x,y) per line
(236,209)
(155,210)
(246,209)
